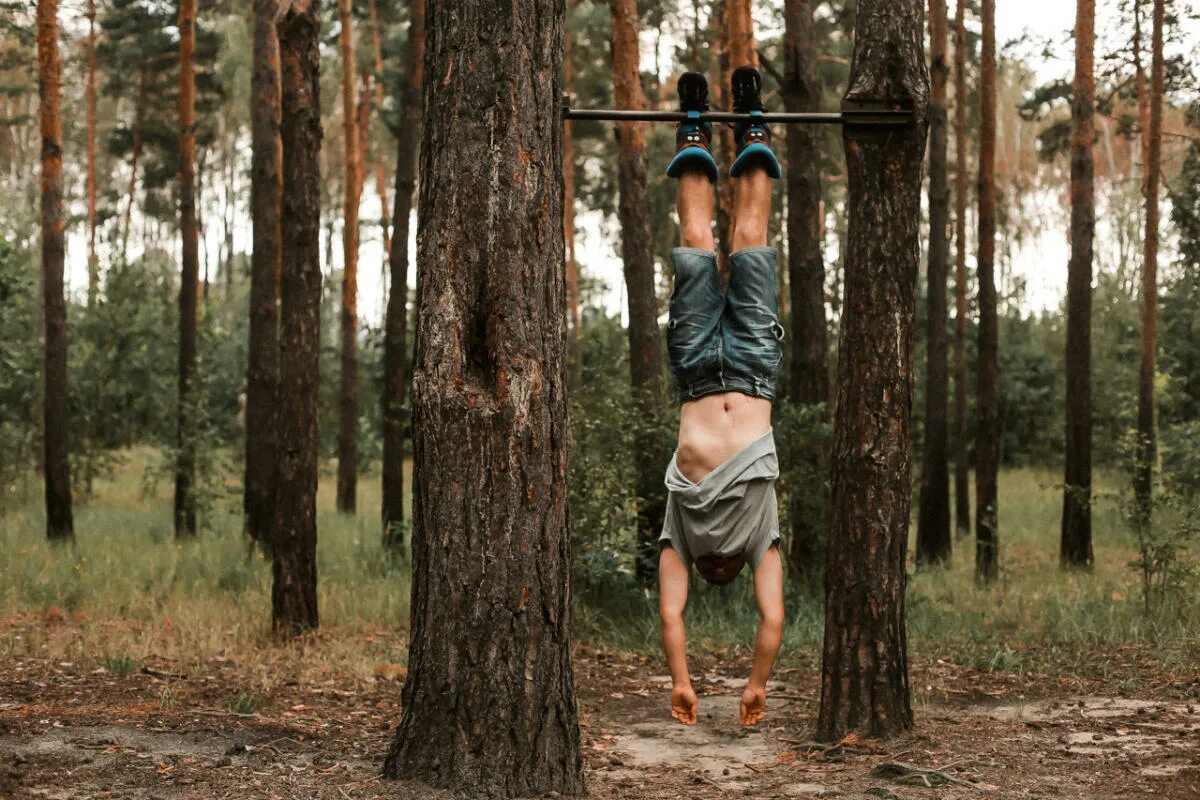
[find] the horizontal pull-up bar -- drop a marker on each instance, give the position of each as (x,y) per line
(851,114)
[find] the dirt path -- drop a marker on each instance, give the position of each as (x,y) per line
(76,732)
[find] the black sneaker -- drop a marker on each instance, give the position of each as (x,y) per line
(753,137)
(693,138)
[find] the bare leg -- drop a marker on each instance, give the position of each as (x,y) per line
(694,201)
(751,209)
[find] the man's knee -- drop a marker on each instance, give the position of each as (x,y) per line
(750,232)
(697,234)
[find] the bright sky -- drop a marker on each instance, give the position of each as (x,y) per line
(1041,262)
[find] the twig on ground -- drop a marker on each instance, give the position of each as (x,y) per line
(912,775)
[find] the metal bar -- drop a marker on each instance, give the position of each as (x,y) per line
(873,117)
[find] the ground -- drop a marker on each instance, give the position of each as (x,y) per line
(159,731)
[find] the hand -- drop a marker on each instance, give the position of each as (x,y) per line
(684,704)
(754,704)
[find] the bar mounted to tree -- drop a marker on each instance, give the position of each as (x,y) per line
(854,113)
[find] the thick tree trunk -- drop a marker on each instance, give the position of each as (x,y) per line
(987,434)
(347,473)
(1076,545)
(395,337)
(93,260)
(294,532)
(962,477)
(645,339)
(60,523)
(489,706)
(185,464)
(1147,446)
(737,51)
(933,520)
(809,379)
(258,502)
(575,353)
(864,674)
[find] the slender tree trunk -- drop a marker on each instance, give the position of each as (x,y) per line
(395,342)
(575,352)
(1147,446)
(962,478)
(347,474)
(987,435)
(809,379)
(933,521)
(489,706)
(1143,98)
(1076,546)
(60,524)
(380,169)
(645,339)
(294,532)
(258,502)
(864,673)
(135,153)
(185,464)
(738,50)
(93,260)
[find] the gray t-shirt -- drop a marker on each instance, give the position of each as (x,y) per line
(731,511)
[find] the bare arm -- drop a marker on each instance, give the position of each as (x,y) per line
(768,592)
(672,598)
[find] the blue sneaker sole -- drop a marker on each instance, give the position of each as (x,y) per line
(693,158)
(757,152)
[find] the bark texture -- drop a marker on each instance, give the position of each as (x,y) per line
(864,673)
(645,340)
(258,501)
(395,337)
(1147,446)
(962,477)
(377,104)
(987,433)
(189,281)
(489,706)
(575,354)
(60,524)
(1076,544)
(808,382)
(294,534)
(347,474)
(933,520)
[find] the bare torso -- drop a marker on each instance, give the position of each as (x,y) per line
(716,427)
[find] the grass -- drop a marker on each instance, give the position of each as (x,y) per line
(127,593)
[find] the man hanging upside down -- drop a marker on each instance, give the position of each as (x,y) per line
(723,338)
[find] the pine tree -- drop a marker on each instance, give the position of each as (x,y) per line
(962,478)
(347,474)
(1076,545)
(488,707)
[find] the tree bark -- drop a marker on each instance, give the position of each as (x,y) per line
(1147,446)
(864,674)
(809,379)
(645,339)
(185,464)
(1076,545)
(294,533)
(258,502)
(933,521)
(962,477)
(987,435)
(395,342)
(489,706)
(60,524)
(93,260)
(575,353)
(347,474)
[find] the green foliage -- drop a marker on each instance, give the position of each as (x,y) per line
(20,373)
(803,438)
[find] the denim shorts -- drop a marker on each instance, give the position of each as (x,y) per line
(725,340)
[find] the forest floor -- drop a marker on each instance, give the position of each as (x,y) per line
(161,730)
